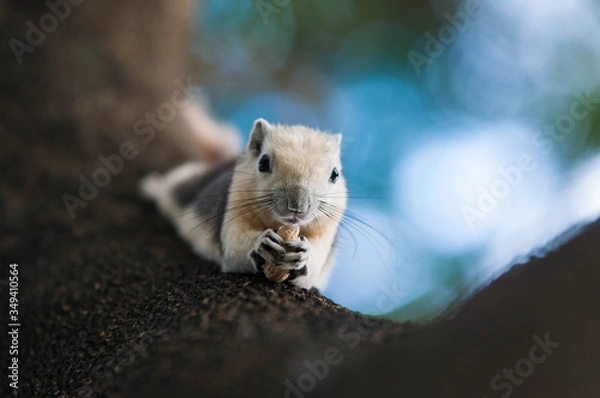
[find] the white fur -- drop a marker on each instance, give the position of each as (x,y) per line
(301,157)
(159,188)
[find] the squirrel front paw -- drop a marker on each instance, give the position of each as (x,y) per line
(292,255)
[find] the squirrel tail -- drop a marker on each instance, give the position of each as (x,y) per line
(213,141)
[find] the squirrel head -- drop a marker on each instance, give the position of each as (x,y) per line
(296,170)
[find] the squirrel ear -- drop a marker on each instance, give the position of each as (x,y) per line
(338,139)
(257,136)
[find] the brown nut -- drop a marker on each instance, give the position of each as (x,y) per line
(288,233)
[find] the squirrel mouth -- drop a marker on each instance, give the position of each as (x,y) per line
(292,220)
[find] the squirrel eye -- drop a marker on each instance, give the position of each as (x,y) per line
(335,174)
(264,166)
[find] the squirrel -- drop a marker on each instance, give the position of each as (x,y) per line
(229,213)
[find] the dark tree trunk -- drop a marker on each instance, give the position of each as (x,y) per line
(112,303)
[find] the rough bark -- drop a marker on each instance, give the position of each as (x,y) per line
(112,303)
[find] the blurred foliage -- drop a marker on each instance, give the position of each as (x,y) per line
(280,46)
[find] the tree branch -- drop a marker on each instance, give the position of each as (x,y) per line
(113,303)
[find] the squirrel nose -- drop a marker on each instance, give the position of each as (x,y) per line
(298,200)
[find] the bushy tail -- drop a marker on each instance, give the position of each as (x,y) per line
(207,140)
(214,141)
